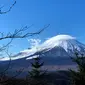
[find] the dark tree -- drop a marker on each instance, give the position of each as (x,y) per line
(36,71)
(78,77)
(37,76)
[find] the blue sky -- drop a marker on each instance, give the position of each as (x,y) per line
(64,17)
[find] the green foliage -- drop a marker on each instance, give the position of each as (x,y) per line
(78,77)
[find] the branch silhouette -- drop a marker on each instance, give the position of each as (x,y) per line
(4,12)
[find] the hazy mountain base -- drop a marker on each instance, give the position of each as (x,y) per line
(57,70)
(47,61)
(51,64)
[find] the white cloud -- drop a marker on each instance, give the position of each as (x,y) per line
(34,42)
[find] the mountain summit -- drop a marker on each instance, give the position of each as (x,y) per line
(57,46)
(66,42)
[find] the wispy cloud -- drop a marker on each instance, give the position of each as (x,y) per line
(34,42)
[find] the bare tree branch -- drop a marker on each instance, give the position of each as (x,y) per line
(3,48)
(8,66)
(18,33)
(4,12)
(3,74)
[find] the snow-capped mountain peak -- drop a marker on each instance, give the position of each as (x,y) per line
(60,45)
(59,40)
(67,42)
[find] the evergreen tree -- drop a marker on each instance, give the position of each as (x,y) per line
(37,75)
(78,77)
(36,71)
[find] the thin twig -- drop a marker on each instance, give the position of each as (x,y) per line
(4,12)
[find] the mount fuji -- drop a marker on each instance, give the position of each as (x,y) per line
(54,51)
(57,46)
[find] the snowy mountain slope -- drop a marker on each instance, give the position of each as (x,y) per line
(57,46)
(65,41)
